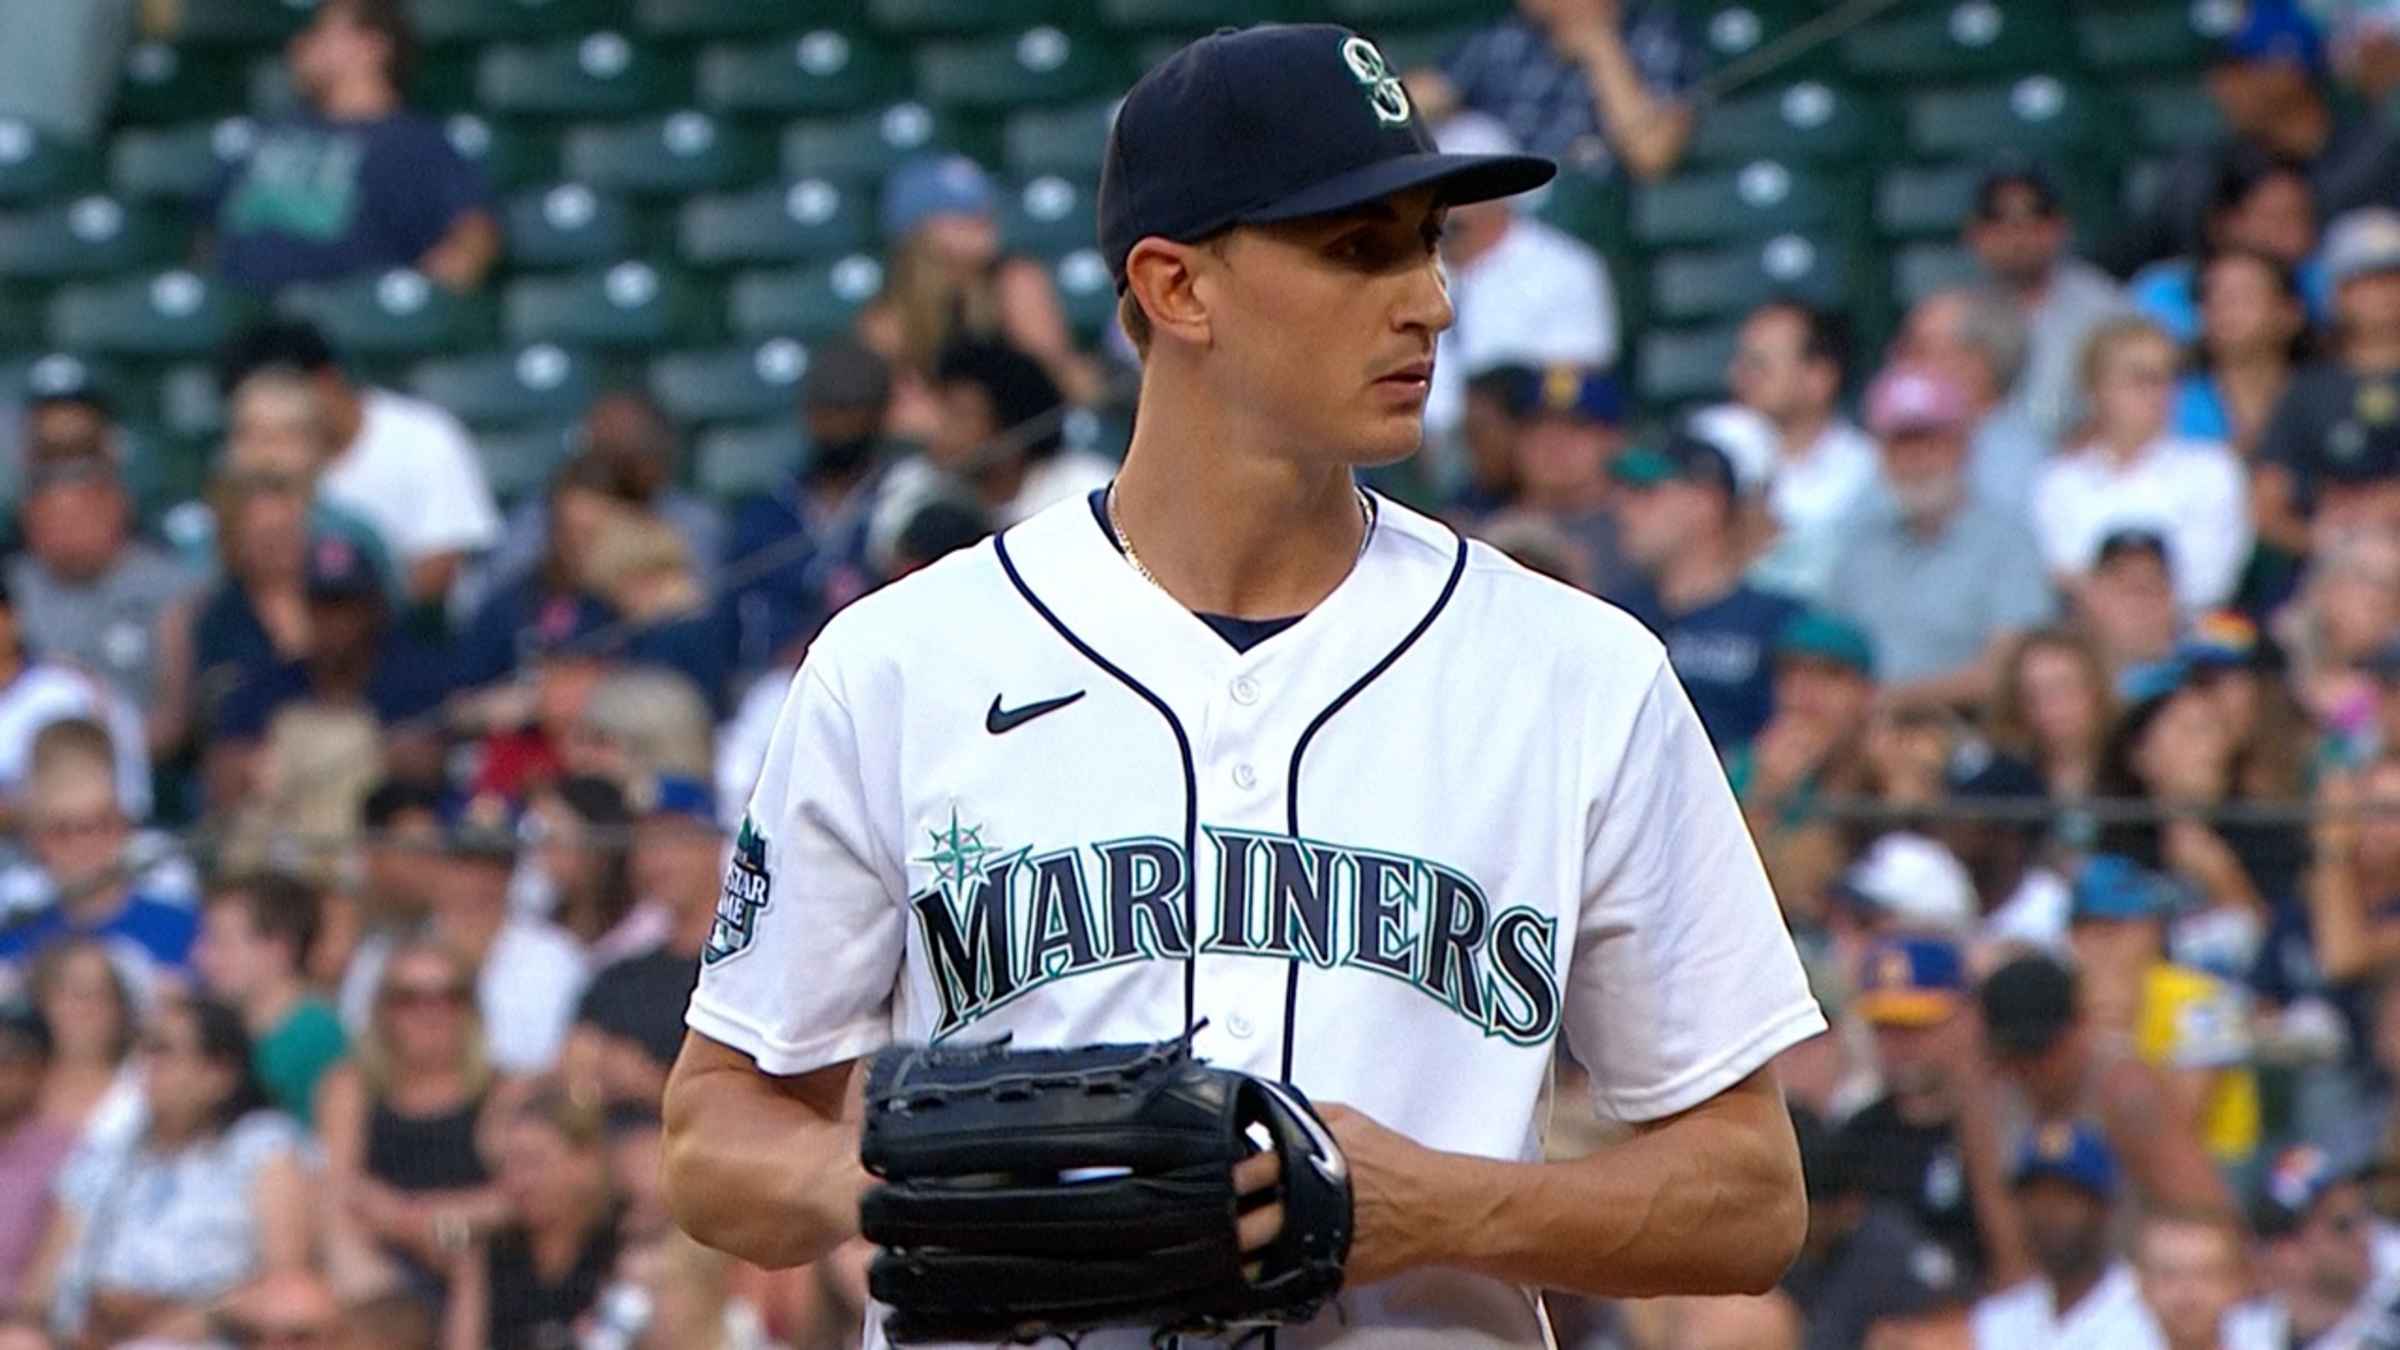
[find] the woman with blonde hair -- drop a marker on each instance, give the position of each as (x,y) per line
(2054,707)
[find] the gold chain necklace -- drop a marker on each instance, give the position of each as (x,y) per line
(1366,517)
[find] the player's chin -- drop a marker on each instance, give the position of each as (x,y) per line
(1388,438)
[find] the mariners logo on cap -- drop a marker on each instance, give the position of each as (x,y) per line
(1384,92)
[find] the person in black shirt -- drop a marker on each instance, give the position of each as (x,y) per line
(1905,1144)
(1866,1259)
(547,1267)
(2330,455)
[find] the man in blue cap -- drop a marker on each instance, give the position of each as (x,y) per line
(1235,638)
(2081,1297)
(2323,1288)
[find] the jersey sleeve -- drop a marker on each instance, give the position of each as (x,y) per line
(1683,979)
(802,966)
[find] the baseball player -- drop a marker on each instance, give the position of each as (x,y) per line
(1235,745)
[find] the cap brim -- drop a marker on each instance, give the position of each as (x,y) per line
(1459,180)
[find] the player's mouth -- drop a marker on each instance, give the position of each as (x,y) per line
(1414,378)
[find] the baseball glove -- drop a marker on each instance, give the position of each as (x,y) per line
(1035,1193)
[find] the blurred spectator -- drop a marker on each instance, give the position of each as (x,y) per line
(2127,602)
(2192,1268)
(1538,546)
(2268,81)
(938,528)
(2082,1297)
(552,603)
(399,855)
(545,1269)
(528,973)
(2322,1287)
(93,1090)
(2353,887)
(1941,580)
(2365,42)
(2258,206)
(639,723)
(1978,339)
(1724,1322)
(1903,1147)
(1905,883)
(2336,421)
(691,1297)
(390,1320)
(77,833)
(949,280)
(357,183)
(2054,707)
(1865,1258)
(407,1121)
(214,1191)
(1571,430)
(2270,740)
(36,693)
(31,1146)
(2020,233)
(639,568)
(2132,473)
(998,439)
(255,937)
(1678,512)
(1487,433)
(1789,365)
(630,1023)
(1523,292)
(1812,747)
(2340,634)
(637,1140)
(63,67)
(2253,331)
(2023,903)
(405,466)
(1590,83)
(626,429)
(286,1310)
(800,552)
(579,829)
(87,589)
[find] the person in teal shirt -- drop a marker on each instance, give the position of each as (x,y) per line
(256,934)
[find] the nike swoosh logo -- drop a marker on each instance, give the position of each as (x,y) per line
(1000,721)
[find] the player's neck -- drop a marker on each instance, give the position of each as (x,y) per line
(1236,533)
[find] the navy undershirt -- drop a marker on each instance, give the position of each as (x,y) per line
(1240,634)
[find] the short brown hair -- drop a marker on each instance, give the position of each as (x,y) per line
(387,19)
(279,906)
(1135,321)
(72,738)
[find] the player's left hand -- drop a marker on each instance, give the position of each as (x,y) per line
(1384,1238)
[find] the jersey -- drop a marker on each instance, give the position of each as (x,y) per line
(1390,854)
(2193,1020)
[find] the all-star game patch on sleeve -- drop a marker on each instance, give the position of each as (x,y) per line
(800,969)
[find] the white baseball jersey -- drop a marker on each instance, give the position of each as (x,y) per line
(1390,854)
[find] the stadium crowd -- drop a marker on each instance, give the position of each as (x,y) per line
(359,853)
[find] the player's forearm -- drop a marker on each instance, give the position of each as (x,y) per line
(757,1172)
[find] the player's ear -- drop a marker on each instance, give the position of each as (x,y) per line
(1162,277)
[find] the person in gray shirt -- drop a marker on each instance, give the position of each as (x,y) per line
(1939,579)
(2019,233)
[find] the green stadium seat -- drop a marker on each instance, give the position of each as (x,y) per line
(2175,115)
(865,145)
(2038,116)
(396,314)
(1679,366)
(2175,37)
(1407,49)
(510,157)
(269,92)
(1734,30)
(1086,293)
(671,156)
(542,382)
(164,84)
(1729,282)
(753,382)
(191,407)
(631,304)
(1763,197)
(1067,140)
(163,470)
(687,20)
(602,74)
(519,461)
(1589,206)
(1374,15)
(1954,39)
(811,303)
(29,374)
(824,71)
(1921,201)
(793,222)
(35,164)
(1921,269)
(177,164)
(567,225)
(90,237)
(158,315)
(734,462)
(1039,65)
(471,22)
(1808,120)
(1183,16)
(239,23)
(917,18)
(1050,216)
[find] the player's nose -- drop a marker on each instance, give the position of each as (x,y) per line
(1424,302)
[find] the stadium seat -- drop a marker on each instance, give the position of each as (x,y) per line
(191,407)
(177,164)
(792,222)
(810,303)
(1680,366)
(1374,15)
(1183,16)
(1921,269)
(1086,293)
(2174,115)
(1050,216)
(1734,30)
(2039,117)
(1414,48)
(268,91)
(165,84)
(1039,65)
(1809,120)
(239,23)
(916,18)
(675,155)
(469,22)
(162,470)
(31,373)
(35,164)
(2180,36)
(1960,38)
(398,313)
(539,383)
(1067,140)
(824,71)
(1589,206)
(1763,197)
(741,461)
(1933,201)
(519,461)
(90,237)
(159,315)
(753,382)
(715,19)
(567,225)
(601,74)
(631,304)
(1728,282)
(509,157)
(866,145)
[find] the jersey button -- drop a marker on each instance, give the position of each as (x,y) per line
(1245,691)
(1239,1026)
(1245,777)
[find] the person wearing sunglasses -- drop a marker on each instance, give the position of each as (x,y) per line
(2318,1240)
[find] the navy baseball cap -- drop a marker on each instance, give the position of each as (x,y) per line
(1680,457)
(1276,122)
(2073,1153)
(339,569)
